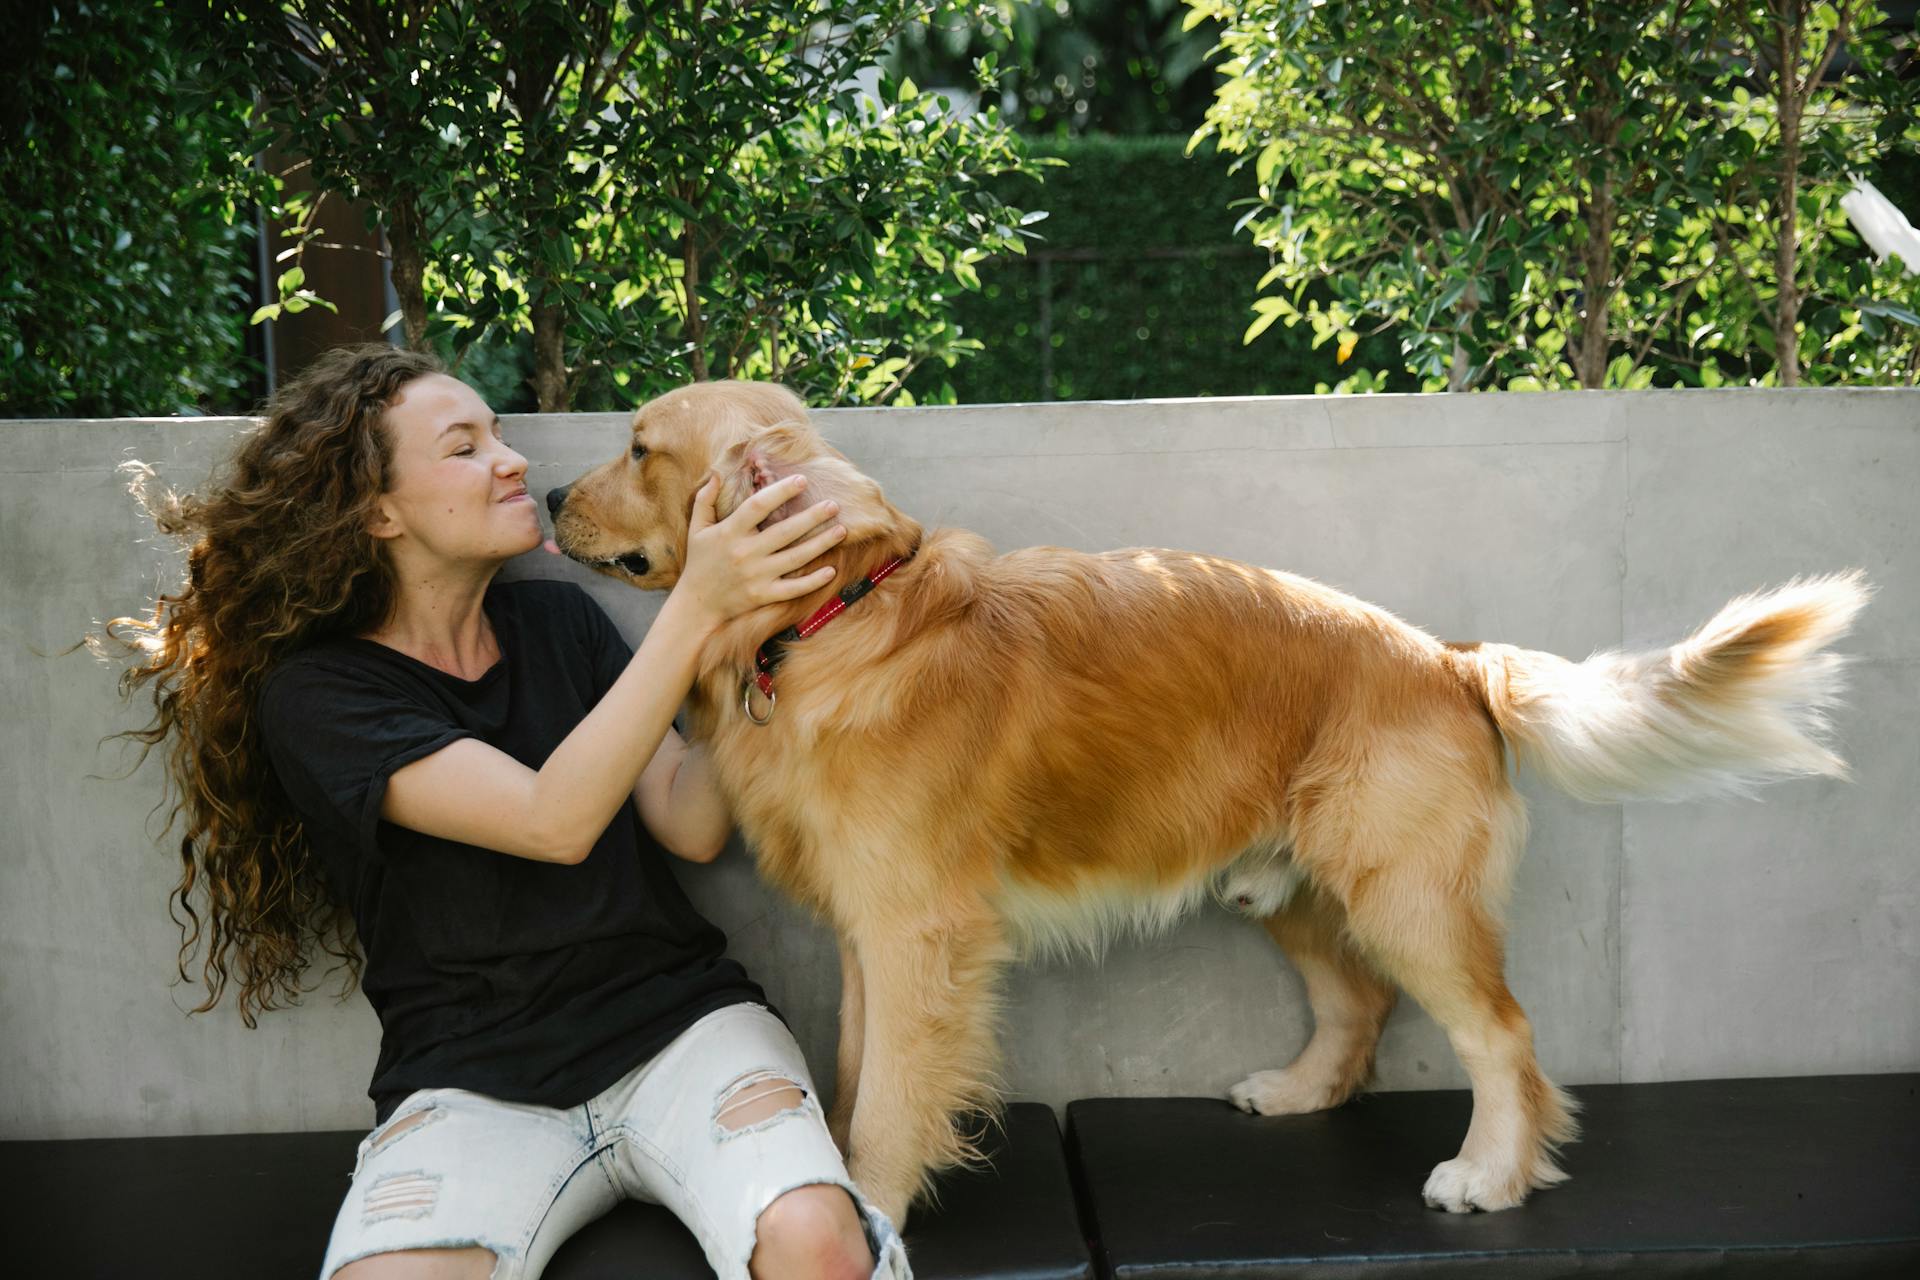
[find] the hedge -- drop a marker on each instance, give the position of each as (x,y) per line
(1138,288)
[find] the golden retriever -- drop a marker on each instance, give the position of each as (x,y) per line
(992,753)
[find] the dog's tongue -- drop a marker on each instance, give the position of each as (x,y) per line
(553,548)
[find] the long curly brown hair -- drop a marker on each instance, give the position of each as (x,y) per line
(280,556)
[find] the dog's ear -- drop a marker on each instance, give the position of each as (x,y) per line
(786,448)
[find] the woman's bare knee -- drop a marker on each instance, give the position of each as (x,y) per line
(473,1263)
(811,1233)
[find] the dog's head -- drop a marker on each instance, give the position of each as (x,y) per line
(628,518)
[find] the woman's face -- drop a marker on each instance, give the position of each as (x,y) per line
(458,493)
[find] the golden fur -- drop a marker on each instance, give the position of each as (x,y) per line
(991,754)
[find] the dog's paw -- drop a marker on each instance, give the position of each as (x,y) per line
(1283,1093)
(1461,1185)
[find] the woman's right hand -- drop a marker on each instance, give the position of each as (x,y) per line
(734,567)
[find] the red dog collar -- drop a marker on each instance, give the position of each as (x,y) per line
(767,659)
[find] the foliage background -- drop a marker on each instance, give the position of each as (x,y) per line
(1568,193)
(843,256)
(124,260)
(1136,288)
(651,194)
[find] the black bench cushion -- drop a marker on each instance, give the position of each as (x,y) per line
(1785,1177)
(260,1206)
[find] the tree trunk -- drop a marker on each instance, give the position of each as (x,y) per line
(406,240)
(536,61)
(1593,345)
(550,356)
(1786,208)
(1786,312)
(695,329)
(1457,374)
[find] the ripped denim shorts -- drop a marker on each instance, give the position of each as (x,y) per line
(452,1168)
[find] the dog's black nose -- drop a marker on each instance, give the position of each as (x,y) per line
(557,498)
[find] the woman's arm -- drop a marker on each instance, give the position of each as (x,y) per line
(680,802)
(479,795)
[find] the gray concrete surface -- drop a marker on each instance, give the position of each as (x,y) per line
(1769,936)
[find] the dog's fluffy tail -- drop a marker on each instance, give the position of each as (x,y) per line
(1741,701)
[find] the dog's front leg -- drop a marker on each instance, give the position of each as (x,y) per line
(930,989)
(852,1042)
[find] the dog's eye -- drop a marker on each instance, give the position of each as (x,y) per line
(639,451)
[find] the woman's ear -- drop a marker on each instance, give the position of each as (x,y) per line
(382,523)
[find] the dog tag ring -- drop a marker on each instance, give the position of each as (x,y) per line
(746,703)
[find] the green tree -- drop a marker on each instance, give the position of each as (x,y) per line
(1809,134)
(735,210)
(122,282)
(367,95)
(1569,194)
(651,193)
(541,166)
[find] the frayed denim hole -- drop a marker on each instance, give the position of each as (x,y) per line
(393,1131)
(412,1194)
(754,1087)
(400,1126)
(449,1242)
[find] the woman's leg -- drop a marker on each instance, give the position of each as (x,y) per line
(422,1264)
(458,1186)
(723,1127)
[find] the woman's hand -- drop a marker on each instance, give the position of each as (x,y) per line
(734,567)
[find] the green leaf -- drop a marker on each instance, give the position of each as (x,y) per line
(1268,310)
(1889,310)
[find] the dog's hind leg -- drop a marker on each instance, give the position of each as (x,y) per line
(931,989)
(1449,957)
(1418,844)
(1434,934)
(1350,1002)
(852,1042)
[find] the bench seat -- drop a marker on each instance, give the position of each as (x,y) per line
(259,1207)
(1781,1178)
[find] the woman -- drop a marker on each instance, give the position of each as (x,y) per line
(373,739)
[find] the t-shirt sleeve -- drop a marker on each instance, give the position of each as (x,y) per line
(607,652)
(335,739)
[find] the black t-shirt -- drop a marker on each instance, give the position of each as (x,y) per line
(527,981)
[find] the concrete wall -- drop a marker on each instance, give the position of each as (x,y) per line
(1763,937)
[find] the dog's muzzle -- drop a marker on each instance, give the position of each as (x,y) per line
(634,562)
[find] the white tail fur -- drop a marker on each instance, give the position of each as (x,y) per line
(1741,701)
